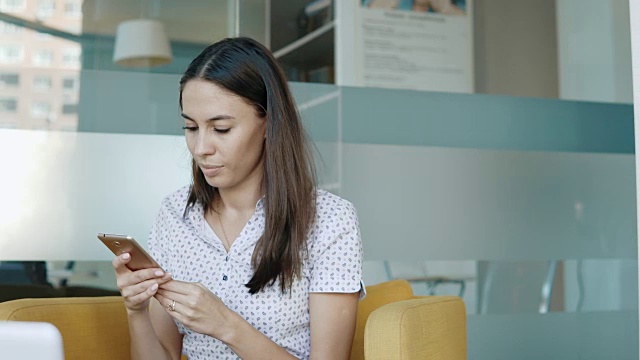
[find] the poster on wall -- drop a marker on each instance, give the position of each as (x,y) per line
(414,44)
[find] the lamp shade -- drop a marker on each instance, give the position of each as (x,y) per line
(141,43)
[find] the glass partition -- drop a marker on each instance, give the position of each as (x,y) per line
(523,207)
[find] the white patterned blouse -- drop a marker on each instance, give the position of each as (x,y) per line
(188,248)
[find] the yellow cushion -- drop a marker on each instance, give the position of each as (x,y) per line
(377,295)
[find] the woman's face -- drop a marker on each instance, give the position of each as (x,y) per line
(224,134)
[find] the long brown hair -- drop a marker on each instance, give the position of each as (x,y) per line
(247,69)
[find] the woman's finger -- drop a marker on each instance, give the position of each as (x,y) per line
(138,288)
(128,279)
(143,296)
(181,298)
(176,311)
(166,303)
(178,315)
(144,274)
(120,263)
(180,287)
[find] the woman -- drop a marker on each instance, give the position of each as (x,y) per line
(257,263)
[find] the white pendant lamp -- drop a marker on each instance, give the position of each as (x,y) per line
(141,43)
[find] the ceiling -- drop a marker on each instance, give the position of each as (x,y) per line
(198,21)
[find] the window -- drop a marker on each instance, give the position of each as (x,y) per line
(9,29)
(8,104)
(46,9)
(73,28)
(11,54)
(42,83)
(12,5)
(71,57)
(67,128)
(72,8)
(43,36)
(43,57)
(40,109)
(9,79)
(70,109)
(69,84)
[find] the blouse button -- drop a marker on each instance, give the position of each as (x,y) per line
(224,277)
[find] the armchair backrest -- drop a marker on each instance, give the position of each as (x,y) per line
(377,296)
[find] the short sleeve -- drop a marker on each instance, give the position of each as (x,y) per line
(158,239)
(336,255)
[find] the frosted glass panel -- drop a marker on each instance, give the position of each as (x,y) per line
(427,203)
(129,102)
(63,188)
(150,106)
(319,107)
(60,189)
(403,117)
(566,336)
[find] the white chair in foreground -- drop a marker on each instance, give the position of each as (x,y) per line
(28,340)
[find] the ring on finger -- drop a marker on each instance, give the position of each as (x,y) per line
(172,306)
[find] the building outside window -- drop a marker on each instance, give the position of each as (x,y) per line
(74,28)
(42,83)
(71,57)
(11,54)
(40,109)
(8,79)
(46,9)
(69,109)
(43,57)
(8,104)
(69,84)
(12,6)
(44,36)
(73,8)
(39,72)
(9,29)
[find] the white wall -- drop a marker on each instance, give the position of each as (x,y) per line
(594,59)
(515,48)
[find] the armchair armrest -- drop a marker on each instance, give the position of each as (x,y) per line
(91,327)
(431,327)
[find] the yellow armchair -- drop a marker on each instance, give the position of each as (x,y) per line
(392,324)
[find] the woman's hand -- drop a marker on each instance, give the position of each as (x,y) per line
(137,287)
(197,308)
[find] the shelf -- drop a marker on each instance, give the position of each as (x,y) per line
(311,51)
